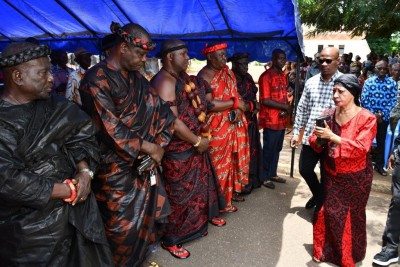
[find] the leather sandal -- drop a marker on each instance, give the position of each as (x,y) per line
(277,179)
(217,221)
(237,197)
(177,251)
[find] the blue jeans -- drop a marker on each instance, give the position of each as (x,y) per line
(272,146)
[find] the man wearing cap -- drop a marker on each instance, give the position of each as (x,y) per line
(273,116)
(229,145)
(190,181)
(84,59)
(248,91)
(135,125)
(60,72)
(48,153)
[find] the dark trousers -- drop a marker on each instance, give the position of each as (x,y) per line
(380,144)
(390,238)
(308,160)
(272,146)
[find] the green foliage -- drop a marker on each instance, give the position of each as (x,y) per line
(379,45)
(374,18)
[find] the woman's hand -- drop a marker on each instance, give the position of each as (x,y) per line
(324,133)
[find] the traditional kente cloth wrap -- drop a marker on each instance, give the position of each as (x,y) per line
(238,56)
(213,47)
(25,56)
(126,37)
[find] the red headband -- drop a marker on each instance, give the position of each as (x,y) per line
(213,48)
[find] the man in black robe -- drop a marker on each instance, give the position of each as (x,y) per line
(47,153)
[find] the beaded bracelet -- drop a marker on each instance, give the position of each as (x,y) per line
(235,102)
(73,191)
(198,141)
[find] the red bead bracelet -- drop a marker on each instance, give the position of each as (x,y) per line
(73,191)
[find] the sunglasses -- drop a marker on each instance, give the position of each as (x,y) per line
(328,61)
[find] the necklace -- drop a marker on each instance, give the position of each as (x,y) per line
(192,93)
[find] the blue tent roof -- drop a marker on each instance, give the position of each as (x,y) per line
(251,26)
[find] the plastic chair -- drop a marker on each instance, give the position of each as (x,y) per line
(389,141)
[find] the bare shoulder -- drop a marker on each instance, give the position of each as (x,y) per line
(206,74)
(164,84)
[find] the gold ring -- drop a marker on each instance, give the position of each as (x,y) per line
(83,198)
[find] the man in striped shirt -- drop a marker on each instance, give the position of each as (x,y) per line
(316,97)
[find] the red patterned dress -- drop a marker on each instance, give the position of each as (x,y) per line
(340,222)
(229,145)
(248,91)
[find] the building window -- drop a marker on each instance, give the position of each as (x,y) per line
(320,47)
(341,49)
(331,46)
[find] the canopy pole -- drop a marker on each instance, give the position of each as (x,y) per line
(296,101)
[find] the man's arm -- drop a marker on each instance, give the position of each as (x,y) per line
(302,113)
(126,142)
(165,87)
(21,187)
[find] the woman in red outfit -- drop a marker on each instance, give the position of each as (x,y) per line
(339,221)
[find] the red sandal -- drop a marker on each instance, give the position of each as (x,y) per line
(177,251)
(217,221)
(231,209)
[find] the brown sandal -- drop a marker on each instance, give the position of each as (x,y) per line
(237,197)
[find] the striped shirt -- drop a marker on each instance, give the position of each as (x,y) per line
(316,98)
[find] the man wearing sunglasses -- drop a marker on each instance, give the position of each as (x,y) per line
(379,95)
(316,97)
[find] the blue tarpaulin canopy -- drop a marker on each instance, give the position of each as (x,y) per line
(251,26)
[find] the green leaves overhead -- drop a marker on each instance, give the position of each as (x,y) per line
(374,18)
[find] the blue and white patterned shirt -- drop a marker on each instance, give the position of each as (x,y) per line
(379,96)
(316,98)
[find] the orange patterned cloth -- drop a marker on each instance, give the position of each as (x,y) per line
(229,145)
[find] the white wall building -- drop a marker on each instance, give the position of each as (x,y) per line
(343,41)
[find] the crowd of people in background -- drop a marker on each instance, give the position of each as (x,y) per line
(178,150)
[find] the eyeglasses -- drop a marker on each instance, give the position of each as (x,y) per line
(327,60)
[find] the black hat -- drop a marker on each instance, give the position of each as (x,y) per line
(238,56)
(108,41)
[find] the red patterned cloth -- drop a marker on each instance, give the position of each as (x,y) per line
(229,145)
(273,86)
(340,223)
(190,180)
